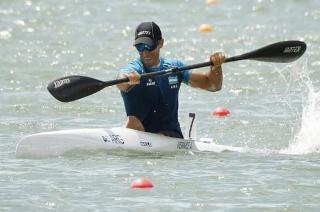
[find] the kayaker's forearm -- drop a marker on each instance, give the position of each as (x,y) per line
(215,78)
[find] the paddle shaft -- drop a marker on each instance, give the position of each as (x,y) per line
(280,52)
(168,71)
(71,88)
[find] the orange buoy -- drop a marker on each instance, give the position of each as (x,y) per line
(205,28)
(221,111)
(141,183)
(211,1)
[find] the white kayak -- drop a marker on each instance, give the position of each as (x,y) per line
(57,143)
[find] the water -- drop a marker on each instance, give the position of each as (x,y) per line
(274,107)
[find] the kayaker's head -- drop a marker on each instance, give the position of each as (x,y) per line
(148,41)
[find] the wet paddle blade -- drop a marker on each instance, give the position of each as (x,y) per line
(70,88)
(281,52)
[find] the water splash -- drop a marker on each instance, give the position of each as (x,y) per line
(307,139)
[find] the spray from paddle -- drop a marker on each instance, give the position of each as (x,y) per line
(307,139)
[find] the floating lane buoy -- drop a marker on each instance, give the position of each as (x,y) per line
(205,28)
(211,1)
(221,111)
(141,183)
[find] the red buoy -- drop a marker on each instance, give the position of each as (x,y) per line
(141,183)
(221,111)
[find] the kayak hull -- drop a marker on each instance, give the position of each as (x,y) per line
(57,143)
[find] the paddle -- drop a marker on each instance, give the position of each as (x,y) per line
(70,88)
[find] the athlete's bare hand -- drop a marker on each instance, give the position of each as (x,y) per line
(217,58)
(134,77)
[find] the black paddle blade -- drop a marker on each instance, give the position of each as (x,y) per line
(281,52)
(70,88)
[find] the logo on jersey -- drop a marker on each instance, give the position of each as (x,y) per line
(173,81)
(150,82)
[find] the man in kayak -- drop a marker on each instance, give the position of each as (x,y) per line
(152,104)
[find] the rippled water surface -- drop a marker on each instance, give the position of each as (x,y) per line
(275,108)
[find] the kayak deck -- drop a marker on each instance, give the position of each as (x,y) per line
(57,143)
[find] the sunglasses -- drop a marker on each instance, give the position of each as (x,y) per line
(142,46)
